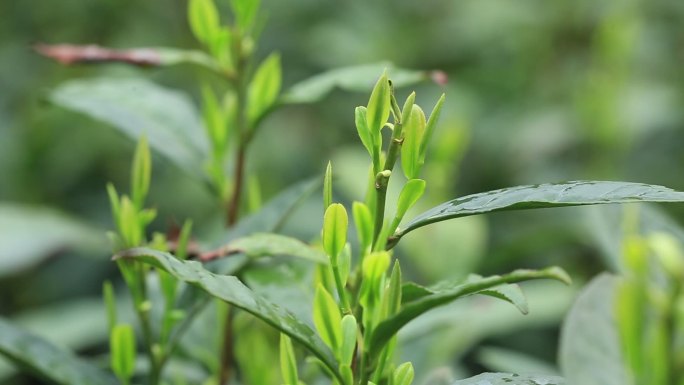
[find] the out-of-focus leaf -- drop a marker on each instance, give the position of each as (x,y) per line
(264,88)
(511,379)
(136,107)
(46,360)
(234,292)
(410,311)
(505,360)
(266,244)
(28,234)
(590,352)
(356,78)
(542,196)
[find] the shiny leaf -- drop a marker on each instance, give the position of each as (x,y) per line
(542,196)
(234,292)
(511,379)
(388,328)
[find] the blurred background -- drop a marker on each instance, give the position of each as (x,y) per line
(538,91)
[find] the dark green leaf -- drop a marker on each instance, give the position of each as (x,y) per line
(511,379)
(266,244)
(542,196)
(234,292)
(590,351)
(356,78)
(388,328)
(29,234)
(46,360)
(138,107)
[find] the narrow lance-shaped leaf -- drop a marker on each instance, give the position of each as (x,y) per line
(403,374)
(122,345)
(541,196)
(414,130)
(48,361)
(264,88)
(141,173)
(335,224)
(388,328)
(511,379)
(378,105)
(363,221)
(430,128)
(360,119)
(327,187)
(234,292)
(204,20)
(410,194)
(327,318)
(349,335)
(288,361)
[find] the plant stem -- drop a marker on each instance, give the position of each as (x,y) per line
(341,292)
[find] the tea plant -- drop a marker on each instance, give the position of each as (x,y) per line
(360,299)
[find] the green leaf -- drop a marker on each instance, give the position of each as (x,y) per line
(288,361)
(141,173)
(590,350)
(414,130)
(204,20)
(542,196)
(410,193)
(363,221)
(513,379)
(30,234)
(234,292)
(264,88)
(430,128)
(122,345)
(355,78)
(215,121)
(360,116)
(327,318)
(510,293)
(267,245)
(403,374)
(110,304)
(509,360)
(388,328)
(46,360)
(378,108)
(349,336)
(335,224)
(245,13)
(327,187)
(138,107)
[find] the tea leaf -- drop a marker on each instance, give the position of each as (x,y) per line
(355,78)
(590,349)
(267,244)
(110,304)
(204,20)
(122,345)
(48,361)
(410,193)
(542,196)
(138,107)
(327,318)
(30,234)
(349,334)
(245,13)
(511,379)
(414,129)
(388,328)
(288,361)
(335,224)
(360,114)
(327,187)
(430,128)
(264,88)
(141,173)
(378,108)
(234,292)
(403,374)
(363,221)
